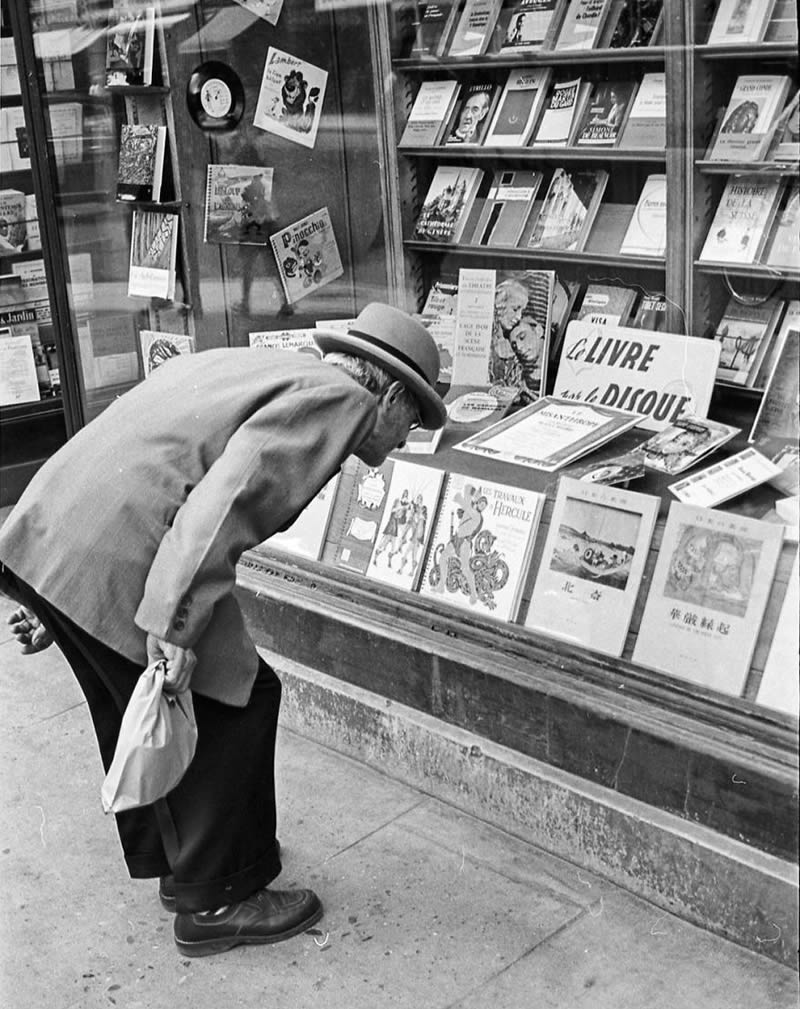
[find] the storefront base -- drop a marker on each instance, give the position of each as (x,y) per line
(687,869)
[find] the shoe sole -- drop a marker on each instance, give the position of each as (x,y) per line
(207,947)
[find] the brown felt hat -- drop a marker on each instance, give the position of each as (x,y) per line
(404,347)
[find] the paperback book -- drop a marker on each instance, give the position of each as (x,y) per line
(238,207)
(357,514)
(154,249)
(521,332)
(433,27)
(789,321)
(651,313)
(474,27)
(740,21)
(725,480)
(472,113)
(568,210)
(481,546)
(646,125)
(745,333)
(527,26)
(779,684)
(708,596)
(633,24)
(646,234)
(429,114)
(447,204)
(520,104)
(755,102)
(583,23)
(782,248)
(784,138)
(290,97)
(129,45)
(157,347)
(141,162)
(742,220)
(605,114)
(506,208)
(592,565)
(606,304)
(307,255)
(306,535)
(562,113)
(684,443)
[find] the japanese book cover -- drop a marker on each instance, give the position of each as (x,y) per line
(154,249)
(306,535)
(429,114)
(481,546)
(684,443)
(646,125)
(527,26)
(159,347)
(238,208)
(400,548)
(307,255)
(447,203)
(779,682)
(592,565)
(605,114)
(141,162)
(708,595)
(742,220)
(646,234)
(518,107)
(568,210)
(583,22)
(357,514)
(290,98)
(129,44)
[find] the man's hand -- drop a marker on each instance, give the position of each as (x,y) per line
(31,634)
(180,663)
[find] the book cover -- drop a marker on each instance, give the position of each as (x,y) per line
(569,209)
(13,221)
(583,22)
(518,107)
(778,414)
(433,28)
(306,535)
(238,207)
(141,162)
(784,138)
(400,548)
(708,595)
(779,684)
(646,125)
(15,152)
(474,28)
(54,48)
(790,320)
(129,44)
(646,234)
(481,546)
(474,322)
(782,248)
(521,332)
(18,377)
(301,340)
(782,25)
(755,102)
(550,433)
(527,26)
(307,255)
(742,220)
(684,443)
(429,114)
(157,347)
(744,333)
(290,97)
(357,514)
(561,113)
(439,318)
(722,481)
(660,376)
(740,21)
(605,114)
(607,304)
(632,24)
(154,247)
(506,208)
(472,113)
(651,313)
(592,565)
(447,203)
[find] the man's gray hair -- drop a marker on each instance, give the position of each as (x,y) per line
(369,375)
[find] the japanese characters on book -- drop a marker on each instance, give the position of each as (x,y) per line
(592,565)
(159,347)
(726,480)
(290,97)
(429,114)
(130,43)
(238,207)
(521,101)
(568,210)
(141,162)
(742,220)
(646,125)
(307,255)
(778,688)
(682,444)
(708,595)
(154,247)
(306,535)
(646,234)
(446,206)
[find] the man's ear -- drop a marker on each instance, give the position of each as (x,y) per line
(395,391)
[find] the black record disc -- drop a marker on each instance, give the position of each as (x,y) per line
(215,96)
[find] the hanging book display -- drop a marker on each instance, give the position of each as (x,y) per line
(154,250)
(307,255)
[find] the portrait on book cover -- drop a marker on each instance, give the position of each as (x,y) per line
(712,569)
(471,118)
(520,330)
(596,543)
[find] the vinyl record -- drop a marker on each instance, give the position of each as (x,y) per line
(215,96)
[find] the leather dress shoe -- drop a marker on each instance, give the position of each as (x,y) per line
(267,916)
(166,887)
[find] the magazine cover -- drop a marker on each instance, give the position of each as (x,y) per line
(568,210)
(290,99)
(238,204)
(684,443)
(160,347)
(307,255)
(154,247)
(518,107)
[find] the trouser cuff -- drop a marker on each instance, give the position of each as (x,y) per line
(210,895)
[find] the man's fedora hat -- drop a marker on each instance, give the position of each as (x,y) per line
(391,338)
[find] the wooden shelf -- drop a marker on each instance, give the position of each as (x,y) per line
(492,61)
(464,152)
(755,270)
(545,255)
(763,50)
(773,168)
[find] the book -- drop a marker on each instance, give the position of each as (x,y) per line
(646,125)
(782,249)
(306,535)
(733,476)
(613,470)
(646,234)
(790,320)
(778,688)
(438,315)
(506,208)
(158,347)
(737,22)
(154,247)
(301,340)
(13,222)
(15,152)
(784,139)
(290,97)
(562,111)
(605,114)
(518,108)
(638,370)
(778,414)
(755,102)
(787,459)
(682,444)
(129,44)
(569,209)
(356,515)
(447,203)
(474,27)
(744,333)
(429,114)
(433,27)
(651,313)
(583,22)
(592,565)
(550,433)
(141,162)
(18,378)
(54,48)
(471,408)
(521,332)
(607,304)
(307,255)
(472,113)
(66,132)
(632,24)
(527,26)
(238,204)
(481,546)
(474,324)
(742,220)
(708,596)
(782,25)
(400,548)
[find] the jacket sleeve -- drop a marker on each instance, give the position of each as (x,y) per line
(271,467)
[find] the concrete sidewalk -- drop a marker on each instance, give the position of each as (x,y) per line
(426,908)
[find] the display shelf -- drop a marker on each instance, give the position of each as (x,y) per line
(603,57)
(477,153)
(167,206)
(770,168)
(754,270)
(763,51)
(539,256)
(137,89)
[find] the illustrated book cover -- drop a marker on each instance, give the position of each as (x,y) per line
(306,535)
(745,332)
(646,125)
(583,23)
(406,527)
(605,114)
(129,44)
(522,327)
(606,304)
(506,208)
(527,26)
(778,414)
(158,347)
(684,443)
(429,114)
(141,162)
(778,688)
(708,595)
(550,433)
(646,234)
(735,475)
(738,21)
(433,27)
(154,249)
(651,313)
(357,514)
(481,546)
(290,97)
(447,203)
(563,109)
(782,248)
(472,113)
(238,207)
(742,220)
(474,28)
(307,255)
(754,103)
(569,209)
(592,565)
(520,104)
